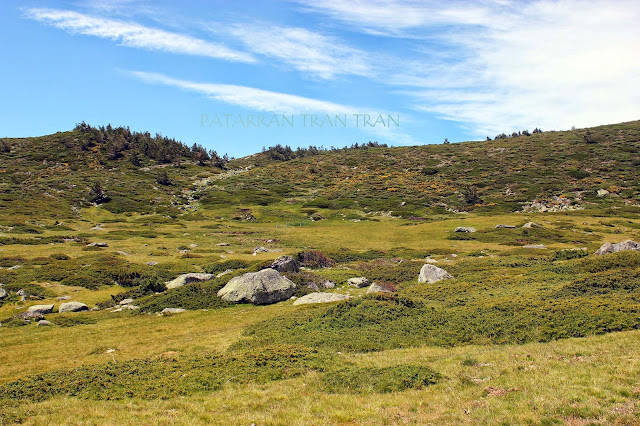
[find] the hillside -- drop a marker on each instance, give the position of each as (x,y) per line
(531,326)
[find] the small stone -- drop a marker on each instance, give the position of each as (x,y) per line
(467,229)
(358,282)
(171,311)
(44,323)
(126,301)
(320,298)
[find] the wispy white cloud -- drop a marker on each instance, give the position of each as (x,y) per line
(310,52)
(403,18)
(511,65)
(132,34)
(249,97)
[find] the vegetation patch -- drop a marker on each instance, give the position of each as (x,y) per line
(166,377)
(397,378)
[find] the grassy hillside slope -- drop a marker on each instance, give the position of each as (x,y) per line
(533,328)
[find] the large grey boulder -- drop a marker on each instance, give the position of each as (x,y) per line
(3,293)
(320,298)
(40,309)
(260,288)
(622,246)
(286,264)
(464,229)
(358,282)
(188,278)
(432,274)
(72,307)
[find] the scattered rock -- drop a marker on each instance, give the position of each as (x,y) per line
(40,309)
(602,193)
(535,246)
(44,323)
(260,288)
(117,310)
(26,315)
(430,260)
(358,282)
(101,244)
(72,307)
(223,244)
(320,298)
(192,245)
(261,249)
(532,225)
(61,298)
(3,293)
(130,307)
(432,274)
(122,253)
(126,302)
(14,267)
(616,247)
(502,225)
(171,311)
(286,264)
(188,278)
(152,263)
(328,284)
(381,288)
(464,229)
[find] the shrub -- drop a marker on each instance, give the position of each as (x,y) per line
(314,259)
(396,378)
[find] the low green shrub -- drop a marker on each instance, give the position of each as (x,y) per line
(397,378)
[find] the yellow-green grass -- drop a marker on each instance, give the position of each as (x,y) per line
(592,380)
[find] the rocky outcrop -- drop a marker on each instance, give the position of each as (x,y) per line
(358,282)
(286,264)
(72,307)
(185,279)
(260,288)
(432,274)
(320,298)
(616,247)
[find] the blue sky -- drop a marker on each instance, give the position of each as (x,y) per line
(457,69)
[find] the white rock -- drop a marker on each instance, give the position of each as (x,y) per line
(320,298)
(432,274)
